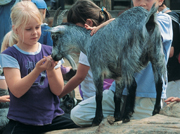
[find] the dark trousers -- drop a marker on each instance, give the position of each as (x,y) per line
(60,122)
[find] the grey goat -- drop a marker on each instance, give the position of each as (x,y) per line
(117,51)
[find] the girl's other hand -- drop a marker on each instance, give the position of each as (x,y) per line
(5,98)
(172,99)
(93,29)
(51,63)
(43,64)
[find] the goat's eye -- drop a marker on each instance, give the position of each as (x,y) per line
(54,37)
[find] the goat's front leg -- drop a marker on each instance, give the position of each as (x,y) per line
(117,99)
(157,106)
(130,102)
(99,89)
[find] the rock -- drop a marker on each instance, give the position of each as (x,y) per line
(172,110)
(167,122)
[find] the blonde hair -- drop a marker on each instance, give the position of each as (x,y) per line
(8,41)
(22,12)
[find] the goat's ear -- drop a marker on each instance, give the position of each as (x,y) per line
(59,29)
(150,22)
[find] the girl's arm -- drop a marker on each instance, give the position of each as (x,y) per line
(5,98)
(171,52)
(19,86)
(75,80)
(95,29)
(55,79)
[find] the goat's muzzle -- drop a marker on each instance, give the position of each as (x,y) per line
(54,57)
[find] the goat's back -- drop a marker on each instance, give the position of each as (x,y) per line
(120,44)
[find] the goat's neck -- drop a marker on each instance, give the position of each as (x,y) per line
(80,38)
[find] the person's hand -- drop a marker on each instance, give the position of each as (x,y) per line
(51,63)
(93,29)
(5,98)
(43,64)
(172,99)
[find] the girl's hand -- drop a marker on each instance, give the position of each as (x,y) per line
(5,98)
(43,64)
(172,99)
(51,63)
(93,29)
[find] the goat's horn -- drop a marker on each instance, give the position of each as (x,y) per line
(71,61)
(55,16)
(60,17)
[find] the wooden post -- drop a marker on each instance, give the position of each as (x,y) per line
(168,3)
(106,4)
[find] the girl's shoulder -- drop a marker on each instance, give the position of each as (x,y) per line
(9,50)
(165,22)
(163,18)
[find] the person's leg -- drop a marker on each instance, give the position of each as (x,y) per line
(15,127)
(60,122)
(143,108)
(173,89)
(84,112)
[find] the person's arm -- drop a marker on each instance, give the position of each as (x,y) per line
(55,78)
(80,75)
(172,99)
(3,84)
(5,98)
(19,86)
(171,52)
(95,29)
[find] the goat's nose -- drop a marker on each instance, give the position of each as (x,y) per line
(54,57)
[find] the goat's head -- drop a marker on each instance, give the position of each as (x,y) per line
(61,47)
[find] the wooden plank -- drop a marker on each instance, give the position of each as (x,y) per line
(106,3)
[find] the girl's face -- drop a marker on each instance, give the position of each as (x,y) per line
(30,34)
(147,4)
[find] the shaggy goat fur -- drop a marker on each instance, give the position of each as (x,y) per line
(117,51)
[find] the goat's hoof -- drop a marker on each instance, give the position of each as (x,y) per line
(126,118)
(155,112)
(96,121)
(117,117)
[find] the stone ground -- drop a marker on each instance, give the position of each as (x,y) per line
(167,122)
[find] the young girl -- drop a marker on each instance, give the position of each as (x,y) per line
(45,35)
(146,90)
(81,13)
(33,80)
